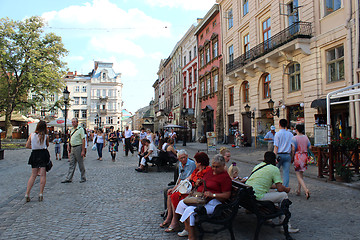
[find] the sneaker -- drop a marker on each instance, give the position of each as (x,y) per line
(184,233)
(291,229)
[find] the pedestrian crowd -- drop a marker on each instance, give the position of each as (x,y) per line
(211,178)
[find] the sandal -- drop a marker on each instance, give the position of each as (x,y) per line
(307,194)
(164,225)
(298,193)
(172,229)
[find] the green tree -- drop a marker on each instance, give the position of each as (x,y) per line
(30,62)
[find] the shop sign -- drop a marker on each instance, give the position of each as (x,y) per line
(170,117)
(211,141)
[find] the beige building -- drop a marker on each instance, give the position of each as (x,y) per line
(292,53)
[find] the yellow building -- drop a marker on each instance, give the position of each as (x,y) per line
(292,53)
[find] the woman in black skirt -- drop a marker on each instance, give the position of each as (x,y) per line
(39,158)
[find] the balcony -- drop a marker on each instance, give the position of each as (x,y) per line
(103,111)
(283,41)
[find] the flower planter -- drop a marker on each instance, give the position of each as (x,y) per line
(339,178)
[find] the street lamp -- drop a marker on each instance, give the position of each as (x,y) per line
(271,106)
(184,112)
(249,114)
(66,95)
(97,120)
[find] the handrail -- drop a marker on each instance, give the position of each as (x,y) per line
(296,30)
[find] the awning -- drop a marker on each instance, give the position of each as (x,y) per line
(319,103)
(207,108)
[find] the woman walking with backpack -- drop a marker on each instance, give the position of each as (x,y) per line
(39,158)
(113,140)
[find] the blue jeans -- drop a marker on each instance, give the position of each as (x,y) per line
(285,161)
(99,147)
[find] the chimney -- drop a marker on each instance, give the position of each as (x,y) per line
(199,20)
(75,73)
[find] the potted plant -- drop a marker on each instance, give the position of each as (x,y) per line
(342,173)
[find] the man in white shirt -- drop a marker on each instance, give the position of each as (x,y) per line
(127,135)
(151,150)
(269,137)
(282,147)
(173,136)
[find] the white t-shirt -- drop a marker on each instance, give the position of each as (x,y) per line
(128,133)
(172,134)
(152,148)
(35,142)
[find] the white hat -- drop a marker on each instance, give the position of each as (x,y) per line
(272,127)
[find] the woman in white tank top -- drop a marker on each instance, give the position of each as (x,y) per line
(39,158)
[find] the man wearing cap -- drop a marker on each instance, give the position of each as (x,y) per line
(269,137)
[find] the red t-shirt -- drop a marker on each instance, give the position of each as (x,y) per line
(216,183)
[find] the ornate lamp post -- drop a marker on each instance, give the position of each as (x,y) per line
(97,120)
(271,106)
(184,112)
(251,114)
(66,95)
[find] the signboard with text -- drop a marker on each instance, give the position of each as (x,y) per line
(211,141)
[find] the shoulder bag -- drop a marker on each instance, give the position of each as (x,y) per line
(196,198)
(184,187)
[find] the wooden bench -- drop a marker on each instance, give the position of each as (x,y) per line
(243,196)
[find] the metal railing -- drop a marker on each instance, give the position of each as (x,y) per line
(296,30)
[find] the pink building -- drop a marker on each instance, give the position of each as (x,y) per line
(208,35)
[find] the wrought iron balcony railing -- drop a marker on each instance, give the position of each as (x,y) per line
(296,30)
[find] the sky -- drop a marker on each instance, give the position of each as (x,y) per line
(133,34)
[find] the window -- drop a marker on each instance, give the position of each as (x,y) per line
(231,53)
(208,85)
(335,64)
(202,59)
(185,102)
(52,97)
(84,100)
(83,113)
(247,46)
(208,54)
(230,18)
(207,30)
(246,87)
(266,29)
(98,93)
(245,6)
(194,51)
(104,93)
(215,49)
(83,89)
(294,77)
(77,89)
(332,6)
(76,113)
(184,60)
(216,80)
(110,92)
(184,81)
(190,56)
(109,120)
(190,77)
(202,88)
(76,100)
(267,86)
(33,111)
(214,23)
(231,96)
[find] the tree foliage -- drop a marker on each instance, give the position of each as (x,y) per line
(30,63)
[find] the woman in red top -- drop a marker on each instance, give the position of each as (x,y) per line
(218,189)
(202,166)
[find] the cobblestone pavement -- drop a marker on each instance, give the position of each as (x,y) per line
(118,203)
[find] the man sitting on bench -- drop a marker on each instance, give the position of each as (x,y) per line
(149,155)
(262,178)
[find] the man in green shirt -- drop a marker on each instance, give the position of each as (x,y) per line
(266,176)
(77,151)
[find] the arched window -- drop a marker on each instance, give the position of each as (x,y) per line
(294,77)
(245,91)
(267,86)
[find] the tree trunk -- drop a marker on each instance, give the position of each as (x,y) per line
(8,125)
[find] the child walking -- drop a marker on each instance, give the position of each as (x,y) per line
(57,142)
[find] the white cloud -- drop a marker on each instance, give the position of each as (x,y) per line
(185,4)
(74,58)
(126,68)
(157,56)
(102,16)
(116,44)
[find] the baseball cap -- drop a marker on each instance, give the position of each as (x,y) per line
(272,127)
